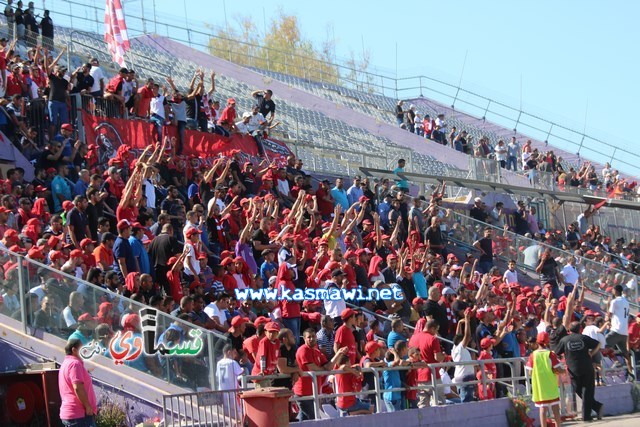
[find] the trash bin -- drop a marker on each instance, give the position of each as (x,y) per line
(267,407)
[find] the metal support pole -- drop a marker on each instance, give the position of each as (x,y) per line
(515,128)
(21,289)
(212,364)
(377,388)
(316,395)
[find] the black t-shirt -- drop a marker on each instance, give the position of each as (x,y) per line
(433,236)
(555,335)
(57,88)
(575,348)
(47,27)
(439,314)
(265,106)
(162,248)
(548,273)
(45,163)
(83,82)
(79,222)
(261,237)
(487,249)
(290,355)
(192,108)
(399,112)
(478,214)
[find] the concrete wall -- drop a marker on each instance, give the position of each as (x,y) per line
(617,400)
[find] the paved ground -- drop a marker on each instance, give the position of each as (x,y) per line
(628,420)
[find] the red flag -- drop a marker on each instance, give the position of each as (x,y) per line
(115,31)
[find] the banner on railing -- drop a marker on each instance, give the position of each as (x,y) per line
(110,133)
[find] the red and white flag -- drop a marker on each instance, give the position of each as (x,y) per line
(115,31)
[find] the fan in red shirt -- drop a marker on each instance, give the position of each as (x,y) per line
(87,246)
(430,352)
(350,381)
(344,334)
(267,355)
(250,345)
(490,369)
(228,116)
(173,277)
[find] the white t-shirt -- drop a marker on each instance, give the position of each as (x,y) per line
(510,277)
(227,372)
(254,121)
(593,331)
(194,261)
(67,315)
(461,354)
(127,90)
(619,309)
(283,187)
(501,152)
(156,106)
(570,274)
(212,311)
(97,74)
(333,308)
(242,127)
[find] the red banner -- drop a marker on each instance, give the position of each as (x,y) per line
(108,134)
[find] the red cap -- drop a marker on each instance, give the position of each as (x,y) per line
(203,255)
(272,326)
(349,254)
(371,347)
(56,255)
(172,260)
(86,317)
(67,205)
(40,189)
(11,234)
(456,267)
(76,253)
(51,170)
(137,225)
(367,222)
(542,338)
(226,262)
(34,221)
(260,320)
(487,342)
(35,253)
(238,320)
(86,242)
(4,210)
(392,256)
(192,232)
(311,303)
(288,236)
(123,225)
(231,101)
(67,126)
(363,199)
(347,313)
(417,301)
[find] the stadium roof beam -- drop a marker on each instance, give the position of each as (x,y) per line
(484,186)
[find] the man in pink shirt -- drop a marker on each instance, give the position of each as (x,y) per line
(78,398)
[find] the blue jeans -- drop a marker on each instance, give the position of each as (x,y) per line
(88,421)
(485,266)
(512,161)
(158,122)
(58,113)
(393,405)
(293,323)
(567,290)
(467,391)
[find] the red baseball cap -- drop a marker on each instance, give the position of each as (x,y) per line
(35,253)
(417,301)
(86,242)
(67,126)
(238,320)
(272,326)
(371,347)
(260,320)
(347,313)
(11,234)
(67,205)
(56,255)
(123,225)
(487,342)
(542,338)
(76,253)
(192,231)
(172,260)
(86,317)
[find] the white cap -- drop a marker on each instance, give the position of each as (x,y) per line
(477,199)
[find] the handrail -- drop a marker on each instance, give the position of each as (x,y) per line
(395,84)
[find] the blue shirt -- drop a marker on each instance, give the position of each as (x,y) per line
(510,343)
(420,284)
(59,185)
(138,251)
(80,189)
(340,197)
(394,337)
(383,211)
(122,249)
(402,183)
(391,380)
(353,194)
(80,336)
(265,268)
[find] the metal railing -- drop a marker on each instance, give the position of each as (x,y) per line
(31,278)
(89,17)
(464,231)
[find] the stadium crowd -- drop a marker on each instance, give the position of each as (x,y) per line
(167,231)
(540,166)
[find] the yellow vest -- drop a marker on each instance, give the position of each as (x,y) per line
(543,379)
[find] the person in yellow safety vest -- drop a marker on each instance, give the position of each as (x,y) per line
(544,366)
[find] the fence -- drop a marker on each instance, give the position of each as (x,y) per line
(31,281)
(210,408)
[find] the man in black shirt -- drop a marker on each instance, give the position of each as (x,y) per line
(161,249)
(478,211)
(265,104)
(548,271)
(58,95)
(287,363)
(436,311)
(433,235)
(78,222)
(84,80)
(578,350)
(485,246)
(46,25)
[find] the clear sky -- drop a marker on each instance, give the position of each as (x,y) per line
(561,59)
